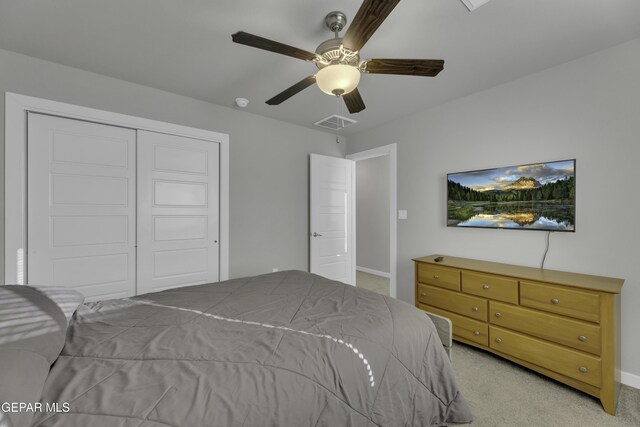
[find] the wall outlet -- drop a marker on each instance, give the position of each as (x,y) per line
(402,214)
(274,270)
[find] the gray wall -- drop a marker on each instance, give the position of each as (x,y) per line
(372,213)
(268,159)
(587,109)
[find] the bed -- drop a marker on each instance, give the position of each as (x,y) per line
(281,349)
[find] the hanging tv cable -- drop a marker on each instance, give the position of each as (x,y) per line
(545,250)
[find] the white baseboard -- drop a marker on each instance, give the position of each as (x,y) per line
(630,379)
(372,271)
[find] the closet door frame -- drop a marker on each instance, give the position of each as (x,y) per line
(15,197)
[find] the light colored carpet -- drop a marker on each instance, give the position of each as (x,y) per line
(372,282)
(502,393)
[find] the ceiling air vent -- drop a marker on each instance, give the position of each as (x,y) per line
(474,4)
(335,122)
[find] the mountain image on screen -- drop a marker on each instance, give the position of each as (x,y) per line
(537,196)
(523,183)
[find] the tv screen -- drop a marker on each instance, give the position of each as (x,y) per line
(539,196)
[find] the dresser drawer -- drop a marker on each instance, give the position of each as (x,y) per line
(580,304)
(453,301)
(463,327)
(571,363)
(573,333)
(444,277)
(490,286)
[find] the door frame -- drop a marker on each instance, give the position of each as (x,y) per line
(390,150)
(15,197)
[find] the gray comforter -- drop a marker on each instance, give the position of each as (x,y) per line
(282,349)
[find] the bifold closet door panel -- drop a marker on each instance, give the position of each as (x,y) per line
(178,211)
(81,206)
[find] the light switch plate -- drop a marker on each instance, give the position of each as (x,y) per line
(402,214)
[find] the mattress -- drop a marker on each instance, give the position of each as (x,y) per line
(281,349)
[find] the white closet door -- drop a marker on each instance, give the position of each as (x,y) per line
(178,211)
(81,206)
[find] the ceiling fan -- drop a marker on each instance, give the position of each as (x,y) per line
(338,59)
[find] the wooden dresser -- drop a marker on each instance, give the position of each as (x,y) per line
(563,325)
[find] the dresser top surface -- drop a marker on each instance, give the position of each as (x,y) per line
(586,281)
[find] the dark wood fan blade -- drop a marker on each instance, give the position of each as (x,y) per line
(270,45)
(371,14)
(406,67)
(354,101)
(288,93)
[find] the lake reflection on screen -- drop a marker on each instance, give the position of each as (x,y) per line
(521,215)
(502,221)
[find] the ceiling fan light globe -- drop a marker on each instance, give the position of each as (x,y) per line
(338,78)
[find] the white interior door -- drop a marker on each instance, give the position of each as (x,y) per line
(178,211)
(81,206)
(332,232)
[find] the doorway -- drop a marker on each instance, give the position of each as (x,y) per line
(374,204)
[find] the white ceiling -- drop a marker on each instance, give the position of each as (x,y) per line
(185,46)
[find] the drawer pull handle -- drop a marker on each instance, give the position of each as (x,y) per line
(423,294)
(475,309)
(555,301)
(476,333)
(498,340)
(498,314)
(435,276)
(583,369)
(485,287)
(582,338)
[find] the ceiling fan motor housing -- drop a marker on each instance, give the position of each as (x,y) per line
(331,54)
(330,50)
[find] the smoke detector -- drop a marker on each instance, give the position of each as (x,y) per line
(242,102)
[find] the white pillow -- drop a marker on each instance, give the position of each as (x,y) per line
(67,299)
(32,334)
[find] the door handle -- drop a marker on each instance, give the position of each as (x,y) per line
(316,234)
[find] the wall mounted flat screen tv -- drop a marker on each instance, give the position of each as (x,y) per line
(539,196)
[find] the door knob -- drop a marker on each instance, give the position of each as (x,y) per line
(316,234)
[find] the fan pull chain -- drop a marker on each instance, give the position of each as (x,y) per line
(339,120)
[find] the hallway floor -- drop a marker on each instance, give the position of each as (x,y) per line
(372,282)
